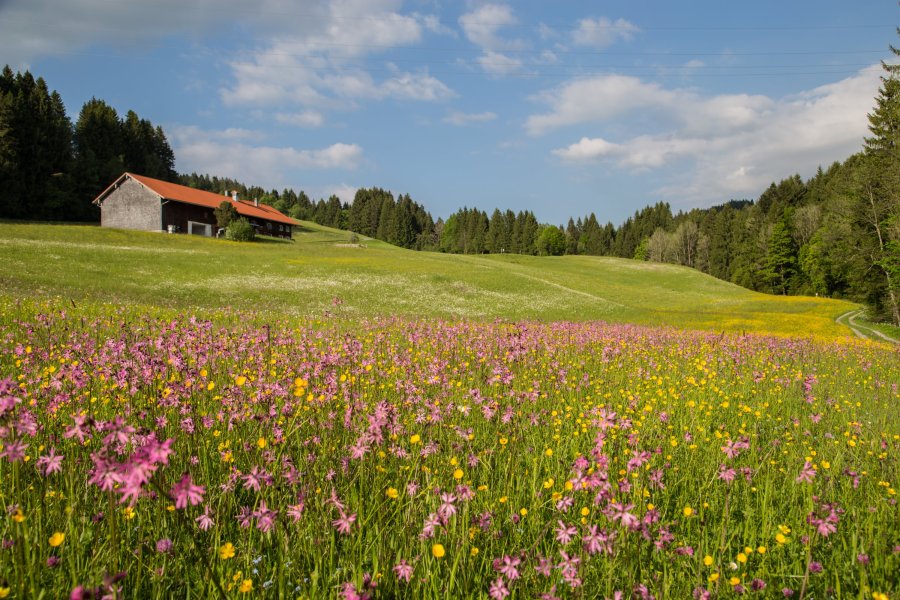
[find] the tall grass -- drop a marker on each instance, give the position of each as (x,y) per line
(152,456)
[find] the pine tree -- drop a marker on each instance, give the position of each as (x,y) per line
(880,190)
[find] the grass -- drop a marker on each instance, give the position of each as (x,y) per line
(320,273)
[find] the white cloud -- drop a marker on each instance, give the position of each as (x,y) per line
(726,146)
(460,118)
(588,149)
(415,86)
(342,190)
(602,32)
(220,152)
(482,27)
(307,118)
(496,63)
(321,68)
(597,99)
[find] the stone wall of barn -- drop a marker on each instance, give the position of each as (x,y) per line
(131,206)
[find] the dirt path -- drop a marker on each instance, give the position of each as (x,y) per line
(849,319)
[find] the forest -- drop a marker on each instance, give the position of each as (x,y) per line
(836,234)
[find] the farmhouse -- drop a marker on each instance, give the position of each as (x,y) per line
(138,202)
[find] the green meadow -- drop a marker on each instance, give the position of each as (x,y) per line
(322,274)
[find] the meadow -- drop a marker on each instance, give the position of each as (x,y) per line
(298,441)
(322,274)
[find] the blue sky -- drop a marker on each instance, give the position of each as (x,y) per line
(563,108)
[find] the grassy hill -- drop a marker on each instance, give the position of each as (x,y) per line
(321,272)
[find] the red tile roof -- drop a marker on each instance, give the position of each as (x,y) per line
(180,193)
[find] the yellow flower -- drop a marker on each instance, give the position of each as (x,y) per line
(761,549)
(548,484)
(503,441)
(780,538)
(734,580)
(246,586)
(585,511)
(129,513)
(261,443)
(4,592)
(211,385)
(784,529)
(392,493)
(56,539)
(415,438)
(226,551)
(742,558)
(474,551)
(438,551)
(240,380)
(523,511)
(707,560)
(548,452)
(458,474)
(714,577)
(18,516)
(688,511)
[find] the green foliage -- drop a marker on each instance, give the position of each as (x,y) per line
(551,241)
(240,230)
(641,252)
(225,213)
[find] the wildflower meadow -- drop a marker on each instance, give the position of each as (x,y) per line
(170,456)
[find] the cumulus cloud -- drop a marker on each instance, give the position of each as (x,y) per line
(598,99)
(460,118)
(321,68)
(222,152)
(725,146)
(588,149)
(482,27)
(603,32)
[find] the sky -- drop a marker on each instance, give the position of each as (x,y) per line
(562,108)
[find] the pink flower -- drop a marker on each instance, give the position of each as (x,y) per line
(727,474)
(185,492)
(507,566)
(344,523)
(498,590)
(49,463)
(204,521)
(565,533)
(807,473)
(403,571)
(620,513)
(595,541)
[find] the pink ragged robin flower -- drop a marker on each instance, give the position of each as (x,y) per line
(186,493)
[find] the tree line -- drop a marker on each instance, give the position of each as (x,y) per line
(50,169)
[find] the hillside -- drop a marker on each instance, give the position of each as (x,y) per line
(321,273)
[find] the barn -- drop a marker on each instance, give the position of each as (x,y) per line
(138,202)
